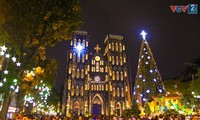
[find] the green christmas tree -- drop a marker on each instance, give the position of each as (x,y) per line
(148,80)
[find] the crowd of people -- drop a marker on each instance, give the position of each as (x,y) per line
(148,117)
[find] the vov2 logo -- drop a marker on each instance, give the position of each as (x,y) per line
(190,8)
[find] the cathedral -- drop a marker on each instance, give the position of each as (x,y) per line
(97,82)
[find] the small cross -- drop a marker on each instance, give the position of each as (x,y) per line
(97,48)
(143,35)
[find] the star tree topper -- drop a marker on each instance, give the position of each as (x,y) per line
(143,35)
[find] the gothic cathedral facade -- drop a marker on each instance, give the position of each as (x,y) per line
(96,83)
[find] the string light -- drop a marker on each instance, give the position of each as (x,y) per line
(14,59)
(4,48)
(18,64)
(7,56)
(6,72)
(2,53)
(148,91)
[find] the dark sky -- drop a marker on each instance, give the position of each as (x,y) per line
(174,38)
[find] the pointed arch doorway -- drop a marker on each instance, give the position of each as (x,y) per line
(97,105)
(118,109)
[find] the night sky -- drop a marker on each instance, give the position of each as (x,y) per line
(174,38)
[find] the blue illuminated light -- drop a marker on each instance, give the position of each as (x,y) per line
(79,47)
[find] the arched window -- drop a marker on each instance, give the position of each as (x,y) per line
(74,42)
(121,61)
(83,43)
(69,84)
(78,58)
(86,71)
(113,60)
(70,70)
(109,46)
(79,41)
(106,78)
(83,58)
(123,47)
(125,73)
(71,43)
(88,67)
(86,43)
(86,56)
(117,60)
(82,73)
(118,92)
(120,47)
(86,87)
(106,87)
(77,91)
(97,66)
(113,75)
(70,55)
(92,87)
(81,90)
(76,105)
(72,91)
(95,87)
(124,59)
(121,75)
(117,74)
(106,69)
(73,72)
(116,46)
(113,92)
(113,47)
(110,73)
(78,73)
(74,57)
(122,90)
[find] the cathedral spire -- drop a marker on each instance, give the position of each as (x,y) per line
(97,48)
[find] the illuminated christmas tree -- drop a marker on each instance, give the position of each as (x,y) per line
(148,80)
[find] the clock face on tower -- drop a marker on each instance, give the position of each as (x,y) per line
(97,78)
(97,58)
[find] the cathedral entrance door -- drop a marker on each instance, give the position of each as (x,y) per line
(96,109)
(97,105)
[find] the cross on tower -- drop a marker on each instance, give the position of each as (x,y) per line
(143,35)
(97,48)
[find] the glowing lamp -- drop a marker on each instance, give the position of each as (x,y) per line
(143,35)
